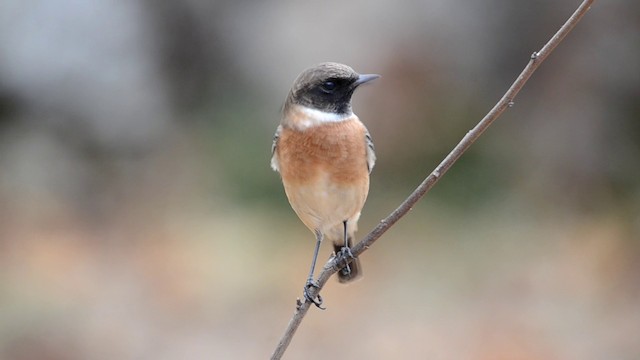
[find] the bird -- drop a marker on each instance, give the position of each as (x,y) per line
(324,155)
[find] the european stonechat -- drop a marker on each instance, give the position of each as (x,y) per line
(324,155)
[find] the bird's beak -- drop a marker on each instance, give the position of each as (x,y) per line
(365,78)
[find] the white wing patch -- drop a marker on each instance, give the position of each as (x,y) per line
(371,153)
(274,156)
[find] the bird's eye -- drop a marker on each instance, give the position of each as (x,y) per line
(328,86)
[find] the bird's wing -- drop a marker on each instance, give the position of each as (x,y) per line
(371,153)
(274,155)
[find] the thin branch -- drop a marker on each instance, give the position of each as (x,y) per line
(333,265)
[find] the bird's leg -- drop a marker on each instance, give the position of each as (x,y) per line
(310,282)
(345,252)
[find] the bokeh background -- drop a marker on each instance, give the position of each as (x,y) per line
(139,218)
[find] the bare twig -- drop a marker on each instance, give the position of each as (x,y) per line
(332,266)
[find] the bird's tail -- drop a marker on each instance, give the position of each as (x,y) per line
(354,270)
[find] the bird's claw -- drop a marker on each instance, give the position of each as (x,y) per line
(346,255)
(317,300)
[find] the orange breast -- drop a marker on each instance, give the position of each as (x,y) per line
(335,149)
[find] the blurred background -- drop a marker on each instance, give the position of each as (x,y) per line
(139,217)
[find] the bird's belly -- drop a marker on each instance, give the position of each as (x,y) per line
(322,204)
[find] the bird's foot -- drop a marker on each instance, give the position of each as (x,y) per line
(346,255)
(317,300)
